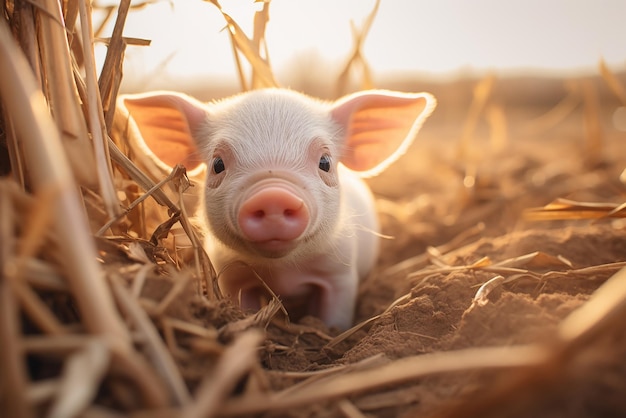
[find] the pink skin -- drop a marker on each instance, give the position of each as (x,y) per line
(273,218)
(285,206)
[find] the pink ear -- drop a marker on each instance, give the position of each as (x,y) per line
(379,126)
(167,122)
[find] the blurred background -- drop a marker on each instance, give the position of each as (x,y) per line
(535,74)
(442,40)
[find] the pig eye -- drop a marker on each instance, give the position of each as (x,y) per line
(218,165)
(325,163)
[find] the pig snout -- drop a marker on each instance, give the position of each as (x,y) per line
(272,218)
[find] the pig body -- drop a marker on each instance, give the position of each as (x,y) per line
(322,276)
(285,206)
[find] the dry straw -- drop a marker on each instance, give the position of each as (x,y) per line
(78,246)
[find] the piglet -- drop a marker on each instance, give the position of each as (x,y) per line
(283,199)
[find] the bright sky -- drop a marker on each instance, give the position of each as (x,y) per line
(437,37)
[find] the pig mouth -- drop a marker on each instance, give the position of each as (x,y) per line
(273,248)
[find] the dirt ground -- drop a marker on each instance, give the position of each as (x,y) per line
(454,212)
(443,205)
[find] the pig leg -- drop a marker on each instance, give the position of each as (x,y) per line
(353,256)
(337,303)
(324,286)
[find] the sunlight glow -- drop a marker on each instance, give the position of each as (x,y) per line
(444,36)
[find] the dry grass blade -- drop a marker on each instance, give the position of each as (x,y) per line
(312,376)
(605,310)
(480,299)
(263,74)
(391,398)
(238,359)
(14,150)
(37,220)
(397,371)
(563,209)
(555,115)
(76,44)
(104,21)
(618,209)
(95,116)
(189,328)
(36,310)
(480,264)
(467,236)
(535,259)
(111,74)
(177,171)
(349,410)
(261,18)
(496,117)
(514,273)
(613,82)
(259,320)
(45,157)
(37,224)
(62,93)
(42,276)
(357,58)
(592,124)
(172,296)
(141,178)
(134,368)
(24,11)
(344,335)
(155,349)
(81,379)
(581,272)
(42,391)
(13,379)
(55,345)
(205,272)
(481,94)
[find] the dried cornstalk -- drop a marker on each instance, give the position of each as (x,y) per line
(616,86)
(13,378)
(592,124)
(357,59)
(48,169)
(96,116)
(480,95)
(111,75)
(62,93)
(261,18)
(262,72)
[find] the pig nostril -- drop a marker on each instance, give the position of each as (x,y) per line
(273,214)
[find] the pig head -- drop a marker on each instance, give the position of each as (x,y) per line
(286,210)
